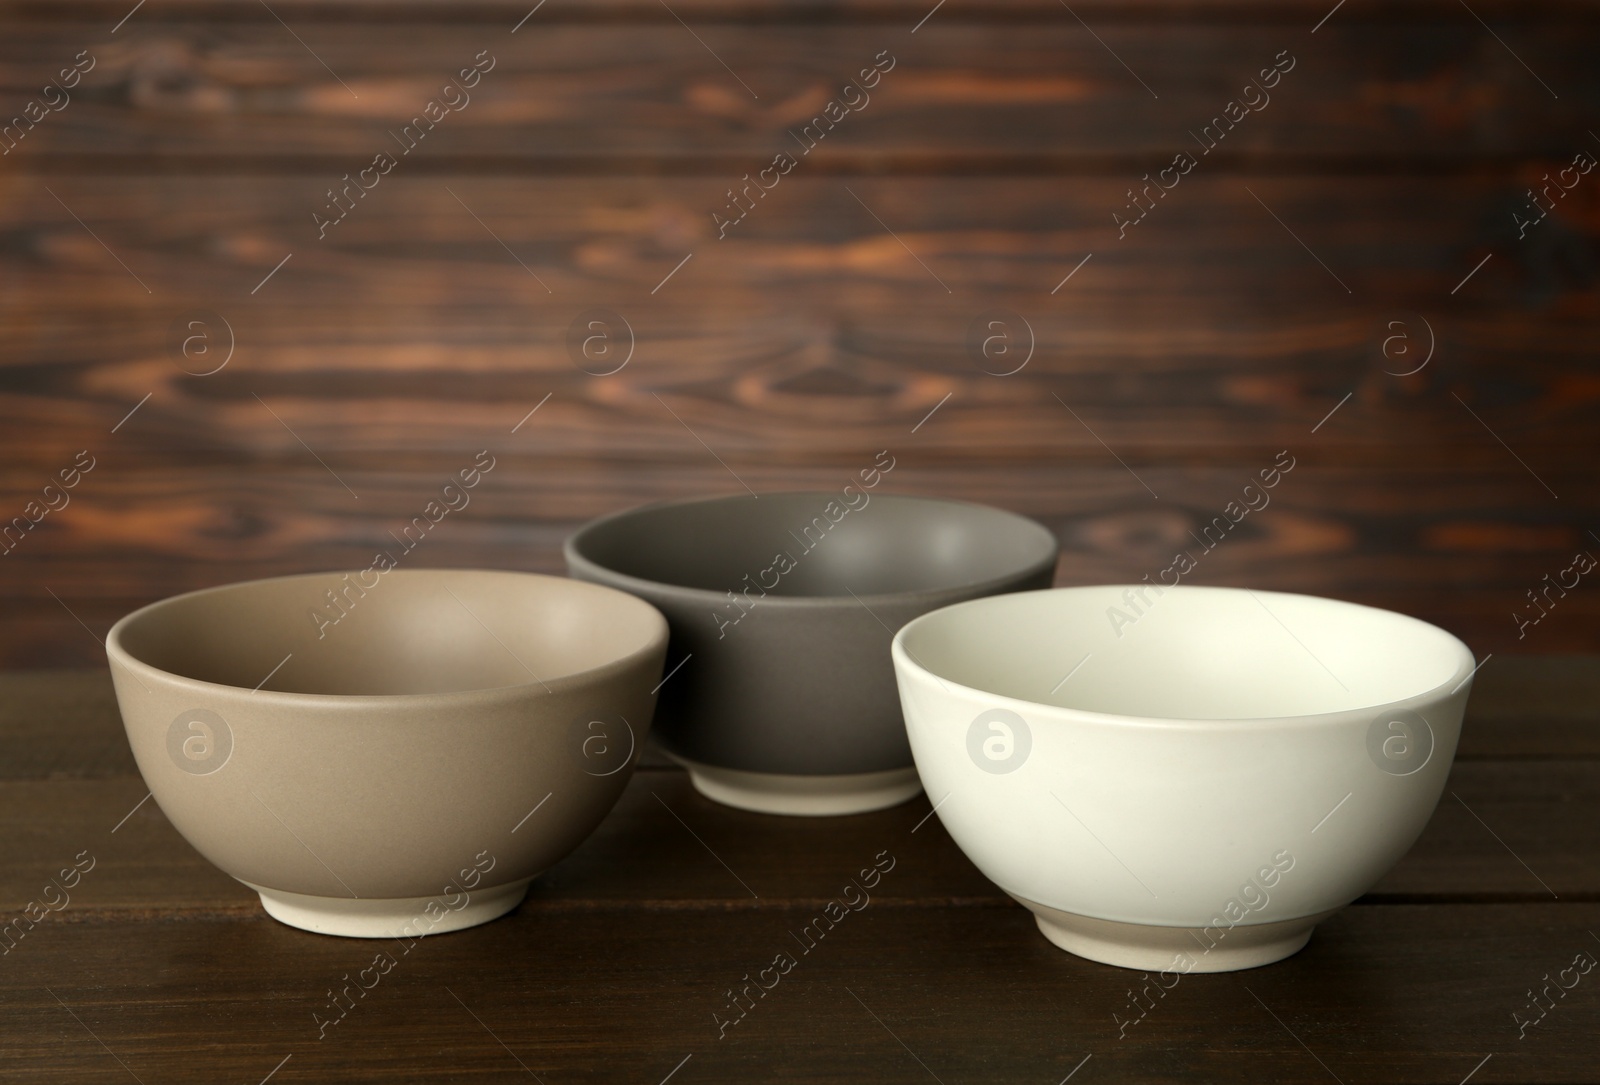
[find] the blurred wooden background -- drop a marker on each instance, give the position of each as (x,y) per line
(1254,299)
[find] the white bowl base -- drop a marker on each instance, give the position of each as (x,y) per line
(402,917)
(804,796)
(1173,949)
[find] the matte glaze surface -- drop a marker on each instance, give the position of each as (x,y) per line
(791,673)
(396,745)
(1200,758)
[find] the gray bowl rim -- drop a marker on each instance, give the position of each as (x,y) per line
(934,596)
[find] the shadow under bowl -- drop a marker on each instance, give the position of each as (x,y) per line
(387,754)
(780,694)
(1181,778)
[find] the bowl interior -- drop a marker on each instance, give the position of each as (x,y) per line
(1189,653)
(817,544)
(401,632)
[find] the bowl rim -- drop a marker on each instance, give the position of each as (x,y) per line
(1466,667)
(940,596)
(118,654)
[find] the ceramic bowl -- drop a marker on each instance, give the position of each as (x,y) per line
(388,754)
(780,696)
(1184,778)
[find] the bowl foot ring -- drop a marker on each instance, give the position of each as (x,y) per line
(401,917)
(803,796)
(1174,950)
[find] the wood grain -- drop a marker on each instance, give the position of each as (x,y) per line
(645,95)
(833,319)
(1211,249)
(840,345)
(784,325)
(1381,993)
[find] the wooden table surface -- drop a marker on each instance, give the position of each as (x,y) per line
(159,968)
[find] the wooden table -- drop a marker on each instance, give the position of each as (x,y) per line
(162,969)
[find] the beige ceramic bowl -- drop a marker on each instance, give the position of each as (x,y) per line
(388,754)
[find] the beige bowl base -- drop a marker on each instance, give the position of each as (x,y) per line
(803,796)
(1151,949)
(402,917)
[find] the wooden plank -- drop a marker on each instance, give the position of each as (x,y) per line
(861,324)
(396,437)
(1209,253)
(793,398)
(646,93)
(1523,704)
(892,995)
(1194,385)
(61,724)
(1404,241)
(1518,803)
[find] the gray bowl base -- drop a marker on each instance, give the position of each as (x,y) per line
(1173,950)
(803,796)
(404,917)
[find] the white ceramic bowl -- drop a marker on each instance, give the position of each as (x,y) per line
(1188,778)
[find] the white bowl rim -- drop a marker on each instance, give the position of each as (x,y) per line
(118,655)
(1058,714)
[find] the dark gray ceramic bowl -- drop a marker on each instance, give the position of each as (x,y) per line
(783,608)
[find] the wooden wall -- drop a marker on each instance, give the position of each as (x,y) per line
(1252,300)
